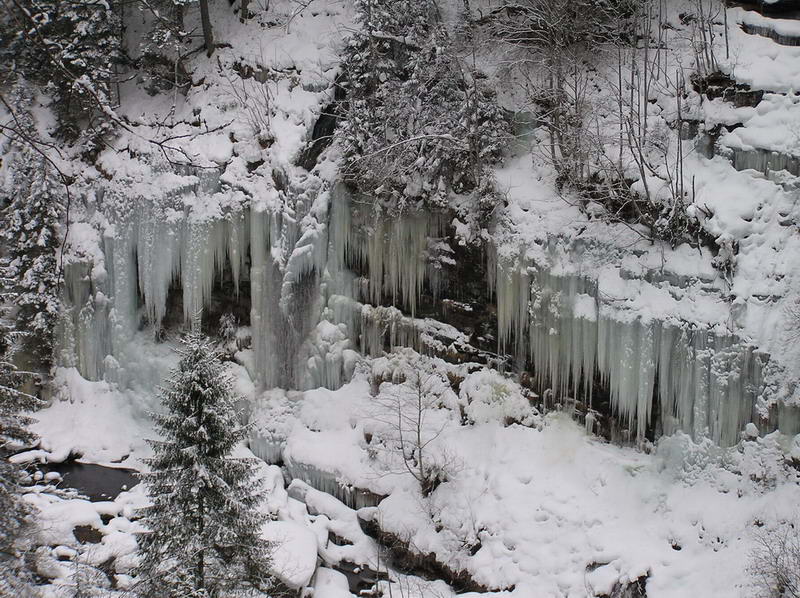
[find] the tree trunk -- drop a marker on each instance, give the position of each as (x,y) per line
(208,35)
(178,14)
(243,14)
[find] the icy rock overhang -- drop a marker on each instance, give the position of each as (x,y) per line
(151,240)
(656,340)
(661,341)
(180,232)
(397,255)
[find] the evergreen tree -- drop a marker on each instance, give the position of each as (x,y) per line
(204,521)
(166,45)
(163,48)
(32,207)
(70,48)
(15,515)
(418,126)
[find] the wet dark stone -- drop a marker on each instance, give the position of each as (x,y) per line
(334,538)
(720,85)
(86,534)
(322,133)
(635,589)
(321,138)
(786,9)
(360,579)
(784,40)
(408,561)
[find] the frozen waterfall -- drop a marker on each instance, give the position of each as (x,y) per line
(705,380)
(320,264)
(182,232)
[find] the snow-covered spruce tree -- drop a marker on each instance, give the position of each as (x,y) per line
(69,48)
(15,515)
(418,125)
(204,520)
(31,200)
(163,47)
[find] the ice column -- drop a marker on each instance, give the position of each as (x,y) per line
(706,381)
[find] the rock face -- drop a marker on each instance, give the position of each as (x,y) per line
(782,8)
(316,271)
(720,85)
(406,560)
(635,589)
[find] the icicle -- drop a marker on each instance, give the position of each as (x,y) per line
(589,422)
(329,483)
(122,250)
(395,251)
(266,449)
(383,327)
(706,381)
(339,225)
(308,257)
(513,298)
(264,300)
(158,250)
(202,259)
(238,234)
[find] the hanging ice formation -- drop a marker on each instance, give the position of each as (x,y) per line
(396,254)
(706,381)
(318,281)
(396,258)
(183,230)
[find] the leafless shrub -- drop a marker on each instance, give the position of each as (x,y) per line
(775,561)
(254,99)
(408,429)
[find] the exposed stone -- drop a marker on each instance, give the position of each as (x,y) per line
(634,589)
(763,31)
(86,534)
(406,560)
(719,85)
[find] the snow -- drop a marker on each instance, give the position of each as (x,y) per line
(773,125)
(58,516)
(553,508)
(761,62)
(93,420)
(296,560)
(489,397)
(602,580)
(547,503)
(330,584)
(783,27)
(795,451)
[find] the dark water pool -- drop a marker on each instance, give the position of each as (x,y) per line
(97,482)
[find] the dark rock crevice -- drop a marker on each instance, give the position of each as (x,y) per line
(406,560)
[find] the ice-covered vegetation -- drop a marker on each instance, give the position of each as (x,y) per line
(421,123)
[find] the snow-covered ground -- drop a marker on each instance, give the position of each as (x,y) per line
(537,508)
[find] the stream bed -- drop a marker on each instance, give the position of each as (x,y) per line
(96,482)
